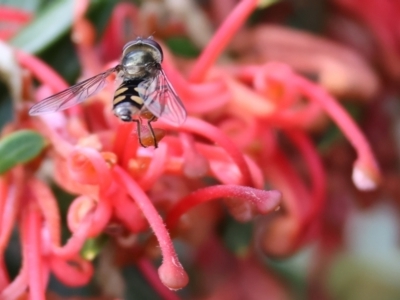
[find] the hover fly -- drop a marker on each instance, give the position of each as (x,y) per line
(145,92)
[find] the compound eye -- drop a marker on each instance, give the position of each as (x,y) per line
(129,44)
(152,43)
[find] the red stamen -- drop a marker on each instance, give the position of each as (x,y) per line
(20,283)
(123,132)
(49,208)
(195,165)
(366,174)
(129,213)
(87,166)
(11,206)
(32,225)
(171,272)
(85,223)
(282,174)
(221,39)
(264,201)
(152,277)
(212,133)
(155,169)
(73,272)
(75,242)
(317,173)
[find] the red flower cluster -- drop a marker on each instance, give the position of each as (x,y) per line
(230,136)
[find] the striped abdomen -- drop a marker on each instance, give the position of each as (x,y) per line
(127,103)
(127,92)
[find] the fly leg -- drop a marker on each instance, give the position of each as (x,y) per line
(139,132)
(153,118)
(138,125)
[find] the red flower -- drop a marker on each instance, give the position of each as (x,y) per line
(123,189)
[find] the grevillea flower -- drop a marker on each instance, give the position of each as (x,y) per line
(229,148)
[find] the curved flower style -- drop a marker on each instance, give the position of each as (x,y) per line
(230,138)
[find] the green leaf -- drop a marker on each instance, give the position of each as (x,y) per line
(19,147)
(237,236)
(48,26)
(182,46)
(93,246)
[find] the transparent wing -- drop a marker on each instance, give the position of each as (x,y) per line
(73,95)
(161,100)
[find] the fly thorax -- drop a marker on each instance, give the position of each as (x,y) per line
(138,63)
